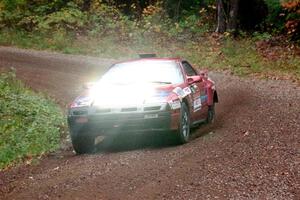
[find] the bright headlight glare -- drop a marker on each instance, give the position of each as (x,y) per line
(116,95)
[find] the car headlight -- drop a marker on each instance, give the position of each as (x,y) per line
(81,102)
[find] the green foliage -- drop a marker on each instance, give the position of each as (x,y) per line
(58,40)
(261,36)
(274,19)
(30,124)
(12,5)
(101,19)
(107,20)
(177,10)
(194,24)
(70,18)
(242,58)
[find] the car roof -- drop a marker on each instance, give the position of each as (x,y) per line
(150,59)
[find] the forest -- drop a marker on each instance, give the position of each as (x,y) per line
(212,33)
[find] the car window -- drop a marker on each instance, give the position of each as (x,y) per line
(150,71)
(188,69)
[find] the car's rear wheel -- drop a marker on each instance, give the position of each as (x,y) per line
(211,114)
(82,143)
(184,127)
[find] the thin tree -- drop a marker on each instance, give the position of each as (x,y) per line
(86,5)
(221,17)
(227,15)
(233,16)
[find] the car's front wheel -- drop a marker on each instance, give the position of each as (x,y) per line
(82,143)
(184,125)
(211,114)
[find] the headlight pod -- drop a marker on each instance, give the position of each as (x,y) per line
(175,104)
(81,102)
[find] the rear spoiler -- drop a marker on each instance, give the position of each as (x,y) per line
(147,55)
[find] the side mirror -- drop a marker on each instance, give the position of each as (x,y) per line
(194,79)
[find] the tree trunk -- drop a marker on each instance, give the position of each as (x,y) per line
(221,18)
(177,10)
(86,5)
(233,15)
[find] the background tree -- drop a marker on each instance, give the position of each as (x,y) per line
(221,17)
(235,14)
(227,18)
(86,5)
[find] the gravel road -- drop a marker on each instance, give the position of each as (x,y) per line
(252,151)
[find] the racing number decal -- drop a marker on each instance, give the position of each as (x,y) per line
(197,104)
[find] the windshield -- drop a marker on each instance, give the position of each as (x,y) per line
(151,71)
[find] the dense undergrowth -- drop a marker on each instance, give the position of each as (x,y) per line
(30,124)
(243,56)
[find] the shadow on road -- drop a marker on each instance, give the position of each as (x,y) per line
(128,142)
(151,140)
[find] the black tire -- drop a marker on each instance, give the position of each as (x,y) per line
(184,127)
(83,144)
(211,114)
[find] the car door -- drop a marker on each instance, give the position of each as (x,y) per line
(199,104)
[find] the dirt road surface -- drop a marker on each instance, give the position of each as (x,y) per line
(252,151)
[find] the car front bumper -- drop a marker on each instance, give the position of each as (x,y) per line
(117,122)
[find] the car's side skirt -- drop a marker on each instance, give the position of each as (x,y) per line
(196,123)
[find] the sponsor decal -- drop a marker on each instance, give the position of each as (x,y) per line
(194,88)
(204,98)
(180,93)
(187,90)
(175,104)
(197,104)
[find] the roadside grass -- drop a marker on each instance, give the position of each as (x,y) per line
(240,57)
(30,125)
(243,58)
(59,41)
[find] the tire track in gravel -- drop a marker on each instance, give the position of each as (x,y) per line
(251,152)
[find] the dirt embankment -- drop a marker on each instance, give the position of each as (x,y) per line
(251,152)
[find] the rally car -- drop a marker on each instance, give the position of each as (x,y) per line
(146,94)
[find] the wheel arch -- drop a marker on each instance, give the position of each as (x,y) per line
(186,101)
(215,97)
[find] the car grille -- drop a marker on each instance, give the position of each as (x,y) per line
(105,110)
(152,108)
(80,112)
(129,109)
(100,111)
